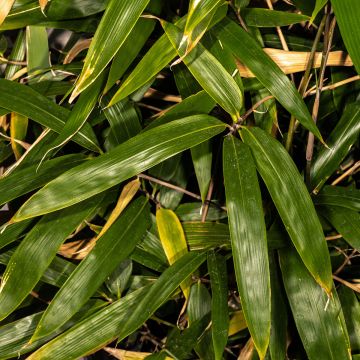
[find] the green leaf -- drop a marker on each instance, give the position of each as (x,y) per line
(79,113)
(209,73)
(30,178)
(250,53)
(351,309)
(287,188)
(117,22)
(15,336)
(318,316)
(17,54)
(36,252)
(198,19)
(219,307)
(345,221)
(126,160)
(319,4)
(26,101)
(120,318)
(343,136)
(114,246)
(248,239)
(339,196)
(347,15)
(270,18)
(158,56)
(18,130)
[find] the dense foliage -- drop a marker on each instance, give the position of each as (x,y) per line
(179,179)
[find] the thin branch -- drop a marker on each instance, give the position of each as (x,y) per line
(205,207)
(346,261)
(12,62)
(333,237)
(312,91)
(347,283)
(346,173)
(310,144)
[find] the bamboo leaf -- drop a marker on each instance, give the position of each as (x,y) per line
(318,316)
(270,18)
(237,323)
(28,179)
(345,221)
(117,22)
(343,136)
(286,187)
(351,309)
(209,73)
(126,160)
(36,252)
(248,239)
(37,49)
(5,7)
(18,129)
(199,16)
(173,240)
(249,52)
(120,318)
(319,4)
(219,307)
(27,102)
(347,14)
(115,245)
(339,196)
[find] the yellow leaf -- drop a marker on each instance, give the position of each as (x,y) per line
(237,323)
(5,7)
(18,129)
(173,240)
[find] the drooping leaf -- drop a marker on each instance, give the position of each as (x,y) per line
(249,52)
(117,22)
(248,239)
(286,187)
(219,307)
(25,101)
(318,316)
(209,73)
(339,196)
(347,14)
(126,160)
(345,221)
(26,180)
(114,246)
(341,138)
(36,252)
(120,318)
(270,18)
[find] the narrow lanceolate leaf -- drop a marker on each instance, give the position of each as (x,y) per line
(318,316)
(5,7)
(126,160)
(319,4)
(287,188)
(198,19)
(219,307)
(339,196)
(114,246)
(248,239)
(159,55)
(248,51)
(37,49)
(116,24)
(120,318)
(28,102)
(351,309)
(26,180)
(209,73)
(270,18)
(347,16)
(173,240)
(345,133)
(18,129)
(345,221)
(36,251)
(80,113)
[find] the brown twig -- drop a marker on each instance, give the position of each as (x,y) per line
(312,91)
(329,32)
(347,283)
(347,261)
(346,173)
(206,205)
(304,82)
(12,62)
(333,237)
